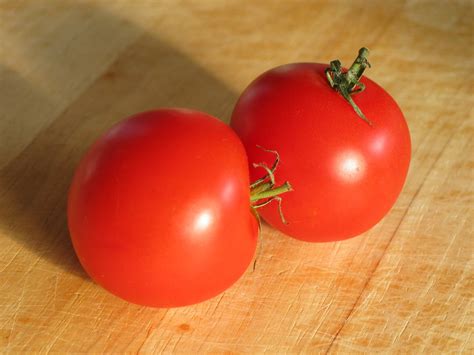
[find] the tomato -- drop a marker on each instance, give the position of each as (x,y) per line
(346,174)
(159,210)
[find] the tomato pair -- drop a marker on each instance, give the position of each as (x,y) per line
(160,210)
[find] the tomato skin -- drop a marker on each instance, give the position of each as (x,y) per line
(346,175)
(158,209)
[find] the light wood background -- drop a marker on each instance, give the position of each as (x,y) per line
(70,69)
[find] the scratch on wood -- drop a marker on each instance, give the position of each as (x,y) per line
(389,242)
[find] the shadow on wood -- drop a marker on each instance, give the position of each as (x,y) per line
(147,74)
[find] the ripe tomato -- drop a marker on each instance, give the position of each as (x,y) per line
(345,173)
(159,210)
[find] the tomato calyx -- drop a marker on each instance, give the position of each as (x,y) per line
(264,190)
(347,83)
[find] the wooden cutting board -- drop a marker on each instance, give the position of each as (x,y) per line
(70,69)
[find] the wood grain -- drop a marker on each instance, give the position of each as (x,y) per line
(70,69)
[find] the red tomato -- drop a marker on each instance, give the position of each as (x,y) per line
(345,173)
(159,210)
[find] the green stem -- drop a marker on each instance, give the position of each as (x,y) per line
(345,82)
(271,192)
(264,188)
(357,68)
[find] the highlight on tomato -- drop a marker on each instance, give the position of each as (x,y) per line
(343,141)
(161,211)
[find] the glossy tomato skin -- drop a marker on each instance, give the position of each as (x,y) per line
(158,209)
(346,174)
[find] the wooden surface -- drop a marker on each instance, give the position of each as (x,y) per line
(70,69)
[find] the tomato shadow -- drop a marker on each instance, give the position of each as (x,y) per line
(148,73)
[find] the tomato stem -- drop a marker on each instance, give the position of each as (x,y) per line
(263,191)
(271,192)
(348,83)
